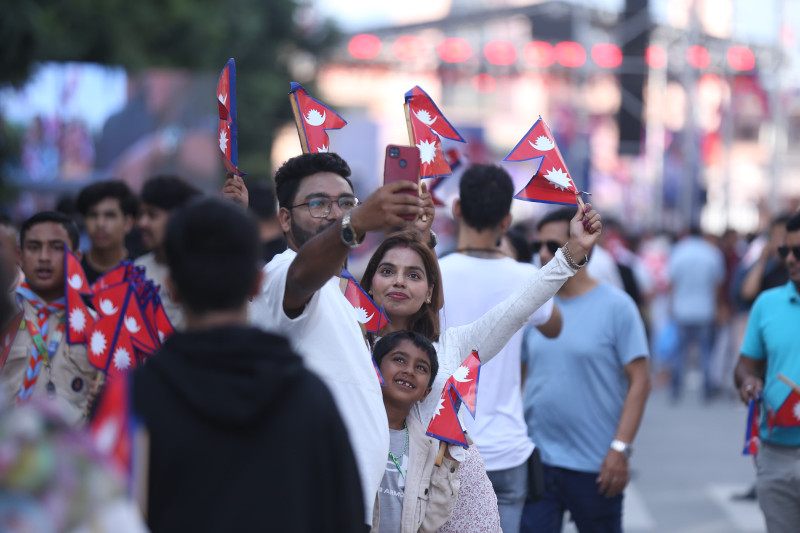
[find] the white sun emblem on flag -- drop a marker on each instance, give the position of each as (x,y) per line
(97,343)
(425,117)
(361,315)
(314,118)
(427,151)
(439,408)
(796,411)
(543,143)
(461,374)
(222,98)
(107,435)
(122,359)
(161,335)
(223,140)
(558,178)
(77,320)
(322,149)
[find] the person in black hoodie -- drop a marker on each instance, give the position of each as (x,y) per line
(242,436)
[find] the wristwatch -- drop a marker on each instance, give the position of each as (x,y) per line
(349,236)
(622,447)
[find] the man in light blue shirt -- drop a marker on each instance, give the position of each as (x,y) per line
(584,398)
(771,347)
(697,271)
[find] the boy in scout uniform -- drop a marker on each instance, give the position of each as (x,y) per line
(36,360)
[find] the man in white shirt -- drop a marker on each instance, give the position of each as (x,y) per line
(499,429)
(301,299)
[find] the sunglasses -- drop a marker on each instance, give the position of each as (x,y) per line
(552,246)
(783,251)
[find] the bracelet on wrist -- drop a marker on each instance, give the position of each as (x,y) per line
(571,262)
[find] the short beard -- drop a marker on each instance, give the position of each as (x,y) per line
(301,236)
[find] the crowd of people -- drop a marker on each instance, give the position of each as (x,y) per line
(273,408)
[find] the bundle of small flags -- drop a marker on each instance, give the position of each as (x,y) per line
(426,125)
(131,322)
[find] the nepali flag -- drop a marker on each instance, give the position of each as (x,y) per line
(110,429)
(460,388)
(161,325)
(788,414)
(465,381)
(9,333)
(79,320)
(313,118)
(120,332)
(367,312)
(426,125)
(752,433)
(551,183)
(116,275)
(226,101)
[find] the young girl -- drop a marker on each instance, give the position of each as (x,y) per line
(415,495)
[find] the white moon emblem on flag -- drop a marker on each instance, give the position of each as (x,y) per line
(107,308)
(75,281)
(314,118)
(796,411)
(427,151)
(425,117)
(543,144)
(461,374)
(558,178)
(361,315)
(77,320)
(131,324)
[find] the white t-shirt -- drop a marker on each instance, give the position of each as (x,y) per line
(328,337)
(472,286)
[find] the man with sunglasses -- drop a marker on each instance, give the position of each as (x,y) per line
(323,221)
(483,211)
(770,351)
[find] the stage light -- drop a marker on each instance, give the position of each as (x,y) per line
(655,57)
(500,52)
(607,55)
(698,56)
(539,53)
(364,46)
(741,58)
(570,54)
(484,83)
(454,50)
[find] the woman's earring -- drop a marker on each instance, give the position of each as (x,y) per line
(428,301)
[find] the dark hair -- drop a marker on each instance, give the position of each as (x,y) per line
(66,221)
(793,223)
(485,192)
(262,200)
(167,192)
(292,172)
(426,320)
(563,214)
(211,247)
(95,193)
(519,241)
(389,342)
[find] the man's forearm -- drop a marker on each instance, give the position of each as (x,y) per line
(633,408)
(321,258)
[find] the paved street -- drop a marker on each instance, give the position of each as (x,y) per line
(686,466)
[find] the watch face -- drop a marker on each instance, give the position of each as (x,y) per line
(347,235)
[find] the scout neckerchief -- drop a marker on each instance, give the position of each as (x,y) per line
(42,352)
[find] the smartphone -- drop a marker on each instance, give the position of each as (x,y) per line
(402,163)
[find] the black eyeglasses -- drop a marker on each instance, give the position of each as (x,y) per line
(783,251)
(552,246)
(321,207)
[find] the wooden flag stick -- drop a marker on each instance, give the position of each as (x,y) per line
(789,382)
(440,455)
(298,120)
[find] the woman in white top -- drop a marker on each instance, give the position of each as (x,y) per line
(403,276)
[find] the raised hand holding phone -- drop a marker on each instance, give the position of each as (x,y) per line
(402,163)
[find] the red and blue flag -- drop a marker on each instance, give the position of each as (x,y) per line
(79,319)
(551,182)
(460,388)
(367,312)
(313,120)
(752,432)
(427,125)
(226,101)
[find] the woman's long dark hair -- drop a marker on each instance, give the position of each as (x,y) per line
(426,320)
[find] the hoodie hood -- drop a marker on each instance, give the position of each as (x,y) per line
(228,375)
